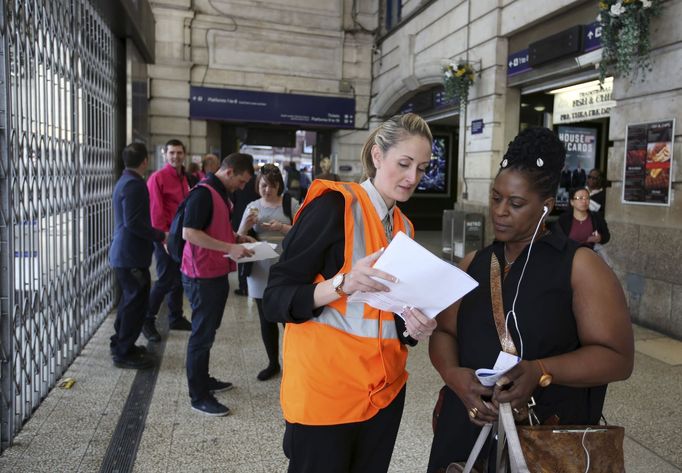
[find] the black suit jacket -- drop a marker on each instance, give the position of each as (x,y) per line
(132,245)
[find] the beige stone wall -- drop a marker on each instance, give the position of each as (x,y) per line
(316,47)
(646,244)
(646,240)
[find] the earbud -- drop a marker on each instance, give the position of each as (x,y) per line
(545,209)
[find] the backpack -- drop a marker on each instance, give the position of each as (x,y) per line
(175,244)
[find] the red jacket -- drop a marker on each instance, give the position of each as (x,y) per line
(167,190)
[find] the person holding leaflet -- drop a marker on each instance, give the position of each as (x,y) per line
(555,308)
(343,382)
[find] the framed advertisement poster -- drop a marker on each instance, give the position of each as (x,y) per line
(648,163)
(581,153)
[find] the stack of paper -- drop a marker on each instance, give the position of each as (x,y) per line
(262,250)
(425,281)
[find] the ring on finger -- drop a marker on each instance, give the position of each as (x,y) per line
(473,412)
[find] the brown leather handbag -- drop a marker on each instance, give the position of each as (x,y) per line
(566,448)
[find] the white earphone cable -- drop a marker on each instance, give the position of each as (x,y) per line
(512,312)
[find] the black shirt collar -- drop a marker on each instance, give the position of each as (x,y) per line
(214,182)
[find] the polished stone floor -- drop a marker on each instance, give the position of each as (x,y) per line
(71,430)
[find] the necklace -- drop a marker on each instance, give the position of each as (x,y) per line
(507,263)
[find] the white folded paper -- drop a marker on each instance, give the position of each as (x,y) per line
(261,250)
(424,280)
(505,361)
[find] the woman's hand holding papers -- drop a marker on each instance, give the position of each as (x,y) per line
(418,325)
(360,277)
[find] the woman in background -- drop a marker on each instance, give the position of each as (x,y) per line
(581,224)
(270,218)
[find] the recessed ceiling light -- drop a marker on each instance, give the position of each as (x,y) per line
(539,108)
(524,104)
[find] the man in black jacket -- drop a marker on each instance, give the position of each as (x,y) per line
(130,255)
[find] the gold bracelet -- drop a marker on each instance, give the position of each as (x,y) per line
(546,378)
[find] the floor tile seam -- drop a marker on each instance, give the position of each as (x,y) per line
(648,449)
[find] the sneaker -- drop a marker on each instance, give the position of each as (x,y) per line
(268,372)
(150,332)
(210,407)
(133,362)
(181,324)
(217,386)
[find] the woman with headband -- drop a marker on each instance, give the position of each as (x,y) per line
(343,382)
(541,297)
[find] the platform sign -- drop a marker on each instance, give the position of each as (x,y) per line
(209,103)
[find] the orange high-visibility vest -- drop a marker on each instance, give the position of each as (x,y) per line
(348,363)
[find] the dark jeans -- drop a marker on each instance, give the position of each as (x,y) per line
(168,285)
(360,447)
(207,297)
(134,284)
(269,332)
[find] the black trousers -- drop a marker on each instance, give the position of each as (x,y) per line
(134,284)
(168,285)
(269,332)
(207,297)
(360,447)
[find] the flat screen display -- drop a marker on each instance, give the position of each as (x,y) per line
(437,177)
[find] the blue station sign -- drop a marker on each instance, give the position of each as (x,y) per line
(518,62)
(209,103)
(592,36)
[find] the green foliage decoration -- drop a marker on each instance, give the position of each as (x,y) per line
(457,78)
(625,36)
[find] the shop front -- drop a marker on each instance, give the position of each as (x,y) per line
(557,82)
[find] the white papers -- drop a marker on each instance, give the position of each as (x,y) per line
(424,280)
(261,250)
(505,361)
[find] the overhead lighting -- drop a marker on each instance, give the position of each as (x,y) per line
(524,104)
(539,108)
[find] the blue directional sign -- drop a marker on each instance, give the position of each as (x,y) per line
(209,103)
(518,62)
(477,126)
(592,36)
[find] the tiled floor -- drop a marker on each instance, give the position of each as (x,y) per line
(70,431)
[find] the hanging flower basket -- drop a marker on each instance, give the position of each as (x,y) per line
(625,36)
(457,78)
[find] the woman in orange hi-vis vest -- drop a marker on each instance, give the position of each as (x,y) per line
(343,382)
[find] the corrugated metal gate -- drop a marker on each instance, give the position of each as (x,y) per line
(60,70)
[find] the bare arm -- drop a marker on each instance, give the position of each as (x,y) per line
(604,329)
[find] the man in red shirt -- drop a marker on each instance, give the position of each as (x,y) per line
(168,187)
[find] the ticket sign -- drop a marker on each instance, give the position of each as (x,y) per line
(210,103)
(648,163)
(583,102)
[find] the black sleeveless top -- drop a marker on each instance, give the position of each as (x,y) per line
(544,311)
